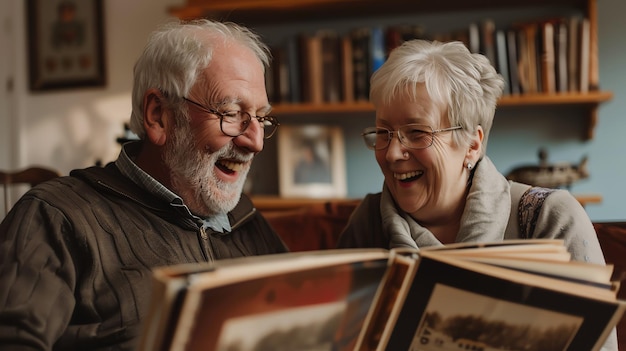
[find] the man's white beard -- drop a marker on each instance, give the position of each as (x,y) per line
(193,174)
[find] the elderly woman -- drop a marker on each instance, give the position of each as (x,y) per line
(435,104)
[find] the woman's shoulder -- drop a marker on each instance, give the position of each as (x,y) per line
(372,198)
(549,209)
(368,208)
(537,206)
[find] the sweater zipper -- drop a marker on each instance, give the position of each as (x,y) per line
(205,243)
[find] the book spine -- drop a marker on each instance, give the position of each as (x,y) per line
(487,41)
(502,57)
(377,47)
(573,53)
(311,69)
(548,80)
(360,60)
(561,57)
(585,38)
(293,57)
(331,76)
(511,44)
(347,69)
(280,71)
(474,38)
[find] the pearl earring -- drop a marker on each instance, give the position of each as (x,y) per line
(469,166)
(405,155)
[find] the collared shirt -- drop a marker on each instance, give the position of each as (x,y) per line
(129,168)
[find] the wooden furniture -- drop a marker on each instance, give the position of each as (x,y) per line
(30,176)
(315,224)
(254,12)
(307,224)
(612,238)
(267,204)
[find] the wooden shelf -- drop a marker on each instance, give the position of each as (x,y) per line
(590,100)
(251,12)
(586,199)
(275,203)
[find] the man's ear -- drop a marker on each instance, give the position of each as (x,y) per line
(156,117)
(474,152)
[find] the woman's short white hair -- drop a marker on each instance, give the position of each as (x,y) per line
(465,83)
(177,53)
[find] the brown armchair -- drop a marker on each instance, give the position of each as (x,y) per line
(306,225)
(612,238)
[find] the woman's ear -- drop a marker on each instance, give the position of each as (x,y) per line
(156,119)
(475,150)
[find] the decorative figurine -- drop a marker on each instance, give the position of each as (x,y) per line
(556,175)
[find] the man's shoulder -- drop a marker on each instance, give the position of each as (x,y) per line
(96,174)
(67,185)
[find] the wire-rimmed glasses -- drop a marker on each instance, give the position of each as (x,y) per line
(412,136)
(236,122)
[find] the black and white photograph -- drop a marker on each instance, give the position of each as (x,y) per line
(457,319)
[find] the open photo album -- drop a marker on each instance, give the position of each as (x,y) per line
(511,295)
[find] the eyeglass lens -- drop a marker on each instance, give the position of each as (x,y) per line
(236,123)
(411,136)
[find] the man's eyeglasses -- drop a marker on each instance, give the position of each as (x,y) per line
(235,123)
(413,136)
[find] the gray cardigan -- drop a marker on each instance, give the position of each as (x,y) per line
(492,213)
(495,210)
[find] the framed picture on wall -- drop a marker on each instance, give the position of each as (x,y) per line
(65,44)
(311,161)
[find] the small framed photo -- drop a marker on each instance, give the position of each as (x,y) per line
(65,44)
(311,161)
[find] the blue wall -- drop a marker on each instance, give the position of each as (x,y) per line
(607,151)
(517,134)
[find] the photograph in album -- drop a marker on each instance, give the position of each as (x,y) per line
(305,309)
(494,324)
(539,316)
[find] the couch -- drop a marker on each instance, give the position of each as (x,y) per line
(612,237)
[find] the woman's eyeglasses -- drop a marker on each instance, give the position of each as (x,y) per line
(413,136)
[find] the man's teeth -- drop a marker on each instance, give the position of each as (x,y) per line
(233,166)
(403,176)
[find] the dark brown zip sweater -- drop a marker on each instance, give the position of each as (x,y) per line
(76,255)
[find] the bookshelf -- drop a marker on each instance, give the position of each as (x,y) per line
(260,12)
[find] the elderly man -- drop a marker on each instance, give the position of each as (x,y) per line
(76,253)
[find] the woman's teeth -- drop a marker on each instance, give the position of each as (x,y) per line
(408,175)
